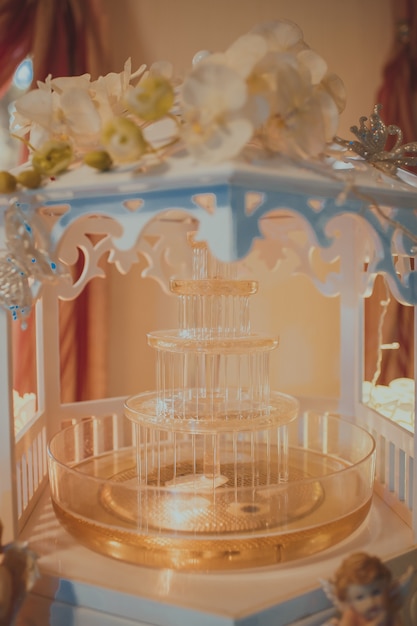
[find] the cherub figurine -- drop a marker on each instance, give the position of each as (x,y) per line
(18,573)
(365,593)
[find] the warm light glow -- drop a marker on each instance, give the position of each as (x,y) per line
(182,509)
(24,408)
(395,401)
(196,482)
(23,75)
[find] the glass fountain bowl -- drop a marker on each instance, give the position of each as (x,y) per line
(239,516)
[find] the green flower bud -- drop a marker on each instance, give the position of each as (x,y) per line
(53,157)
(8,182)
(30,179)
(152,98)
(99,159)
(123,140)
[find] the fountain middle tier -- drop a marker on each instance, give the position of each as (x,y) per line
(205,452)
(194,411)
(212,378)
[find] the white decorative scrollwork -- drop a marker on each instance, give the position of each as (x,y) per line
(92,239)
(238,209)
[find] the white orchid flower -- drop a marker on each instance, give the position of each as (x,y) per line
(35,107)
(268,85)
(109,93)
(42,112)
(73,108)
(38,114)
(243,56)
(152,99)
(304,116)
(217,125)
(115,85)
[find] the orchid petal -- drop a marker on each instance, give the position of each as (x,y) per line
(329,113)
(256,109)
(127,72)
(36,106)
(38,136)
(292,90)
(80,112)
(65,83)
(245,52)
(215,88)
(280,35)
(336,88)
(224,142)
(46,84)
(314,63)
(308,131)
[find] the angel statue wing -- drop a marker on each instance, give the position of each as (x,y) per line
(401,586)
(329,590)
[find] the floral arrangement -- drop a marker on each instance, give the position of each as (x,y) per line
(268,88)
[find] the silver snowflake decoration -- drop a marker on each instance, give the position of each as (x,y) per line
(25,265)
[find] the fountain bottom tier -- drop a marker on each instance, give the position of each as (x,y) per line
(190,513)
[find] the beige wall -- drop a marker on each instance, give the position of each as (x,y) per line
(354,37)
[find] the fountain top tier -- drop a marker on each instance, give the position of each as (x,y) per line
(212,371)
(213,303)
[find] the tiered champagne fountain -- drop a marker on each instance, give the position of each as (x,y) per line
(212,434)
(220,474)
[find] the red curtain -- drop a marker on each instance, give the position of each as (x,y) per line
(398,96)
(64,38)
(16,36)
(397,93)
